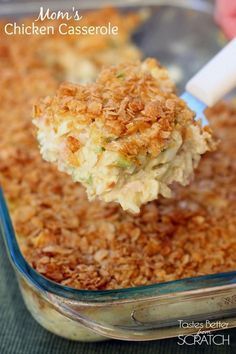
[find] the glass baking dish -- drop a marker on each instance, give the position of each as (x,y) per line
(140,313)
(147,312)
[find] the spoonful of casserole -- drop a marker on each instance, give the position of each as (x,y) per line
(126,137)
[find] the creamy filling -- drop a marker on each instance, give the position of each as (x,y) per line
(112,177)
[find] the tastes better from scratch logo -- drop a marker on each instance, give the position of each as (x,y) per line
(37,27)
(204,335)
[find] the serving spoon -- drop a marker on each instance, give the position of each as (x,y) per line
(212,82)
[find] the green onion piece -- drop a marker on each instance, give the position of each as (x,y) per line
(123,163)
(90,180)
(120,75)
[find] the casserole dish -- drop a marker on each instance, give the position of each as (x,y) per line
(139,313)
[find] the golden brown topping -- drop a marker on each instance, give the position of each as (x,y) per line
(130,101)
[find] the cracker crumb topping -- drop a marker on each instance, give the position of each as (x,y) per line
(137,108)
